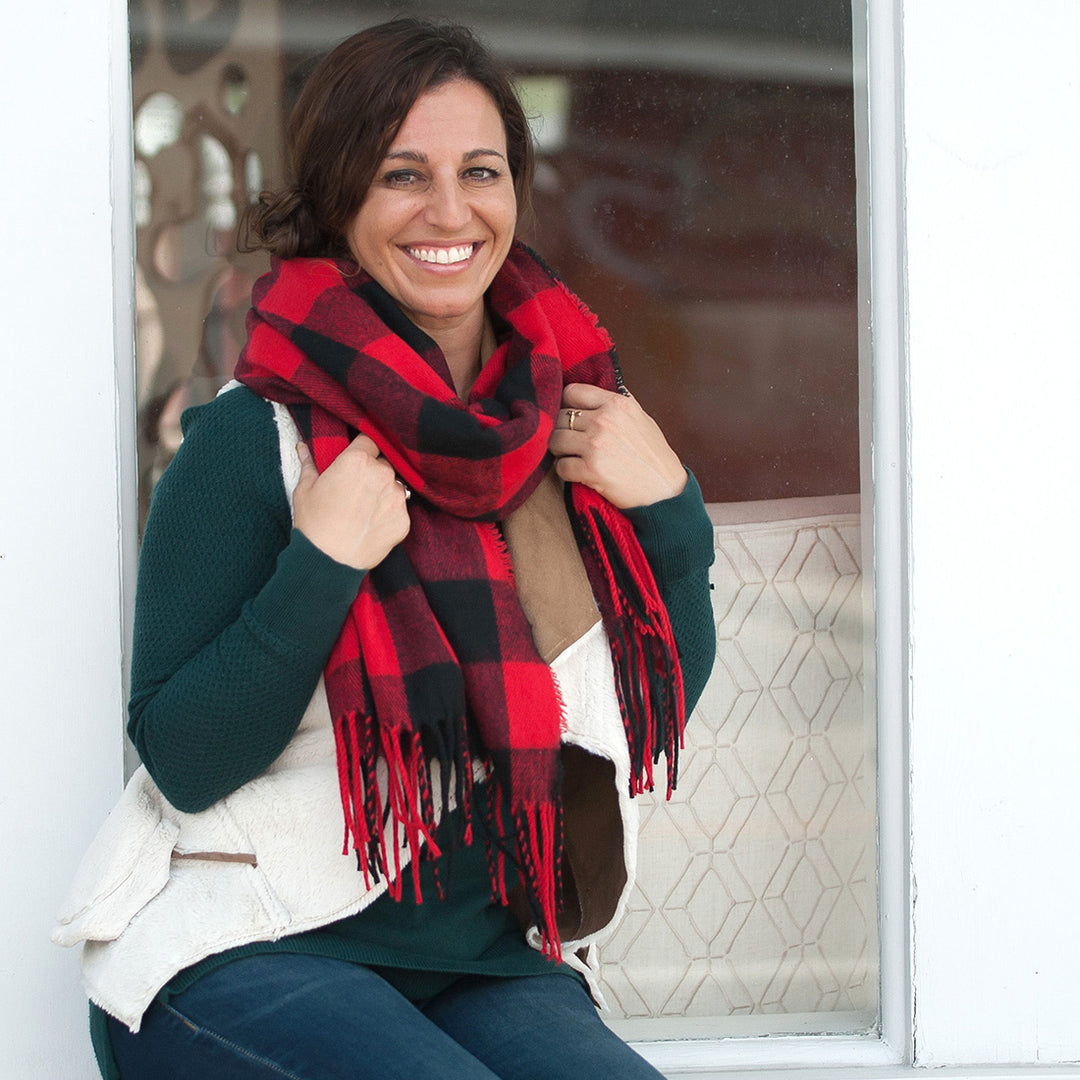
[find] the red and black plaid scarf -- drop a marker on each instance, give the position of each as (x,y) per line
(436,660)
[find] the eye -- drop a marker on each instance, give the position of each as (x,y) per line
(481,174)
(402,178)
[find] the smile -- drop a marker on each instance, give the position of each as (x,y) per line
(443,256)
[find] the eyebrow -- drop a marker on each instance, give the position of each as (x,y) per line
(421,159)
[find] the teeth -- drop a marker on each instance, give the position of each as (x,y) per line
(442,256)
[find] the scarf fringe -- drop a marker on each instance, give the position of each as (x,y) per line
(496,854)
(648,677)
(409,799)
(538,831)
(530,839)
(410,809)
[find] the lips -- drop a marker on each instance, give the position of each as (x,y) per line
(443,256)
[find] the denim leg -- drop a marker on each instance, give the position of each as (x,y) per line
(290,1017)
(537,1027)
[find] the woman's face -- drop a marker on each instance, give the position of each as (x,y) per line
(439,218)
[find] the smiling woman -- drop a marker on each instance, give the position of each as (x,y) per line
(695,182)
(472,683)
(435,233)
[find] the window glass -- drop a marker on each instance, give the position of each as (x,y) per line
(696,186)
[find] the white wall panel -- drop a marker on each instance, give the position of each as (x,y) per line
(993,227)
(60,636)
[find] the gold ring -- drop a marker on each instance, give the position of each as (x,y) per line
(571,416)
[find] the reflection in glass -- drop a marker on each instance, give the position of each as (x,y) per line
(217,185)
(142,188)
(157,124)
(546,100)
(253,175)
(234,89)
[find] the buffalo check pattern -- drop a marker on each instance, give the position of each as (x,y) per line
(436,660)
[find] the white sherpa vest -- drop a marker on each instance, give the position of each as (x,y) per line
(160,889)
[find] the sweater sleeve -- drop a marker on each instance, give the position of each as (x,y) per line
(676,536)
(235,612)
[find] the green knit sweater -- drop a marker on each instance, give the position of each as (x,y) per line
(235,615)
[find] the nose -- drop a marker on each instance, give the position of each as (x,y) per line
(447,207)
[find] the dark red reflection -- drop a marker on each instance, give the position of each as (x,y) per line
(711,224)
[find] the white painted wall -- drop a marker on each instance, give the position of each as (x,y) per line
(60,638)
(992,106)
(993,227)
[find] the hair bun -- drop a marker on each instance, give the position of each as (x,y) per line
(283,224)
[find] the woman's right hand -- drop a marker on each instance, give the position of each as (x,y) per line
(355,510)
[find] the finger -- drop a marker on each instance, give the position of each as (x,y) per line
(570,420)
(308,471)
(585,396)
(564,442)
(574,470)
(363,444)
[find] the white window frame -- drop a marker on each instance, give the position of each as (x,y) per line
(880,176)
(123,232)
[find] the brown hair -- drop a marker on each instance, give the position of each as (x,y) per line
(348,113)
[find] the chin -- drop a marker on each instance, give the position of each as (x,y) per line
(443,311)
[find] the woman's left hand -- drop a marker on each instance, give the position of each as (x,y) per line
(615,447)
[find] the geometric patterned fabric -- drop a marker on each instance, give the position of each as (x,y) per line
(756,890)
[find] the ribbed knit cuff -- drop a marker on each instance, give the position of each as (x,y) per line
(308,596)
(676,534)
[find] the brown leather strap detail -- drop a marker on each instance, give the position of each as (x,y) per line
(218,856)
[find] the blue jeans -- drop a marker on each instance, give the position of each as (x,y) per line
(315,1018)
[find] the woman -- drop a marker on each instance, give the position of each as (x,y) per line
(369,604)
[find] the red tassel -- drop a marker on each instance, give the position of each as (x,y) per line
(343,760)
(538,832)
(405,764)
(648,675)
